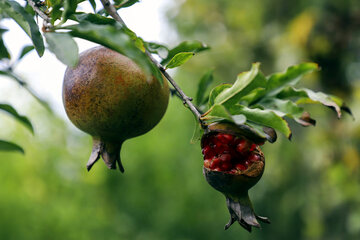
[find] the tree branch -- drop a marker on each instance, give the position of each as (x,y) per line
(186,100)
(45,17)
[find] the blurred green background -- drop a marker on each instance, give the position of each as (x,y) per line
(311,185)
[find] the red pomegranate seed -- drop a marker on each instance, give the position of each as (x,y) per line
(225,138)
(215,163)
(240,166)
(254,157)
(207,163)
(252,148)
(241,146)
(225,157)
(208,152)
(233,171)
(217,169)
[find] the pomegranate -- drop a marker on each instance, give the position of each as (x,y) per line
(233,164)
(108,96)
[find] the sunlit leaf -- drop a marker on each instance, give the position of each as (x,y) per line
(11,147)
(26,21)
(289,109)
(179,59)
(277,81)
(220,113)
(264,117)
(187,46)
(242,81)
(307,96)
(216,91)
(22,119)
(64,47)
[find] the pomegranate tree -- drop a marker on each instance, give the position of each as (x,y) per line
(121,93)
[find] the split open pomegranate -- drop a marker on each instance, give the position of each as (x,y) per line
(232,165)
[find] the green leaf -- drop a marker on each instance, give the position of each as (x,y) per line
(92,18)
(179,59)
(128,3)
(242,81)
(64,47)
(25,51)
(22,119)
(23,84)
(216,91)
(159,49)
(198,132)
(69,9)
(9,146)
(3,50)
(187,46)
(220,113)
(116,39)
(204,83)
(278,81)
(93,5)
(266,118)
(15,11)
(307,96)
(289,109)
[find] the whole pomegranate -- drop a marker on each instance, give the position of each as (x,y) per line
(109,96)
(233,164)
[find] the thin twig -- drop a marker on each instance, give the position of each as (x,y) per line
(43,15)
(186,100)
(112,11)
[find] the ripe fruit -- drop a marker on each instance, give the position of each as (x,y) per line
(236,164)
(108,96)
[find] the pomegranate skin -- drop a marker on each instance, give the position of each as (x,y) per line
(110,97)
(107,95)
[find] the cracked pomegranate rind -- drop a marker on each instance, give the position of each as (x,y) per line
(232,165)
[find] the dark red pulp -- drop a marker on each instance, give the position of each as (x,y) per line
(228,153)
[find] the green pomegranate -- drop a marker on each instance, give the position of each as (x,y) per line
(109,97)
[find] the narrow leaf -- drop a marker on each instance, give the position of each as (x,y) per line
(22,119)
(69,9)
(198,132)
(128,3)
(179,59)
(26,21)
(263,117)
(204,83)
(187,46)
(307,96)
(25,51)
(64,47)
(277,81)
(11,147)
(93,5)
(3,50)
(243,80)
(216,91)
(92,18)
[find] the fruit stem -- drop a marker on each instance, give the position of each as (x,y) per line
(186,100)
